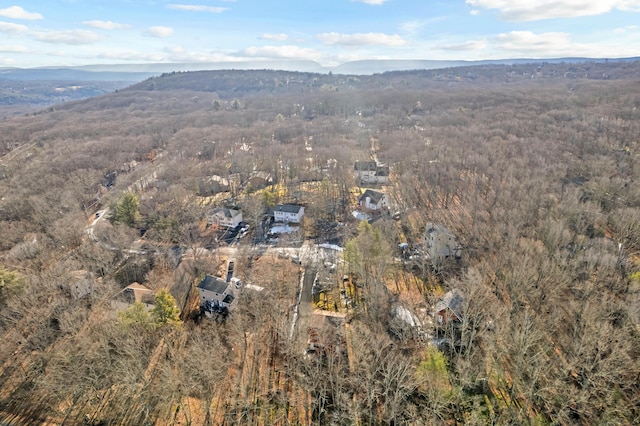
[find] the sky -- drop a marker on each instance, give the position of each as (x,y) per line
(38,33)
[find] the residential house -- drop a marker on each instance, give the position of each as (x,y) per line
(254,181)
(370,172)
(138,293)
(217,295)
(382,173)
(373,200)
(440,243)
(80,284)
(133,293)
(450,308)
(213,185)
(404,323)
(225,217)
(259,180)
(364,171)
(288,213)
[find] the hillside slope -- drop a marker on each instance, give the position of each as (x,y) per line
(532,167)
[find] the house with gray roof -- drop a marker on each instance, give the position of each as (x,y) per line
(224,217)
(288,213)
(370,172)
(450,308)
(440,243)
(216,295)
(373,200)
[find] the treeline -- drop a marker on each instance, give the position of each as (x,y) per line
(229,84)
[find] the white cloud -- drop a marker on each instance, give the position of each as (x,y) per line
(413,27)
(474,12)
(132,56)
(16,12)
(372,2)
(197,8)
(177,53)
(289,52)
(626,30)
(468,45)
(159,32)
(14,49)
(274,37)
(525,44)
(11,28)
(106,25)
(361,39)
(527,10)
(526,41)
(75,37)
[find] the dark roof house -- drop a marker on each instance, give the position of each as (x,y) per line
(365,166)
(450,307)
(374,196)
(288,208)
(216,295)
(288,213)
(373,200)
(213,284)
(370,172)
(382,171)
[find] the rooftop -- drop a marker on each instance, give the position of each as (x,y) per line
(214,284)
(227,212)
(454,301)
(374,196)
(288,208)
(365,166)
(436,228)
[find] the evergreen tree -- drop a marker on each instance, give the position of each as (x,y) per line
(165,310)
(128,209)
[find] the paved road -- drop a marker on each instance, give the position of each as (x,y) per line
(303,307)
(100,214)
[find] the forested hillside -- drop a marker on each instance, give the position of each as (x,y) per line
(26,96)
(534,168)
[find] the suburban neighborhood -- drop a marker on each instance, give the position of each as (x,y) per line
(329,281)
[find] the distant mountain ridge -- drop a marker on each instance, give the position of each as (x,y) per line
(139,72)
(27,90)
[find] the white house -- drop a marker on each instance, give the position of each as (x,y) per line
(217,295)
(288,213)
(225,217)
(373,200)
(370,172)
(439,242)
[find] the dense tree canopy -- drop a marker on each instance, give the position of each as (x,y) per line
(533,168)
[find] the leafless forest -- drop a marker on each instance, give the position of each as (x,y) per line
(534,168)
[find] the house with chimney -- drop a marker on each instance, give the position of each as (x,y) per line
(217,296)
(373,200)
